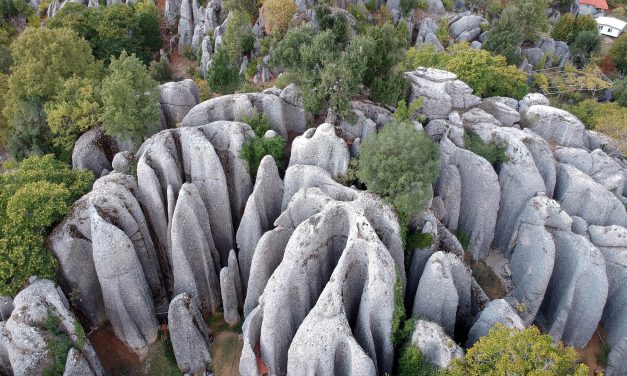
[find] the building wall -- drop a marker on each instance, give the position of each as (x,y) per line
(589,9)
(608,30)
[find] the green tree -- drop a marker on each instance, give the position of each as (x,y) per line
(512,352)
(586,43)
(130,98)
(400,164)
(222,76)
(412,363)
(408,5)
(74,110)
(247,6)
(618,52)
(569,26)
(238,36)
(277,15)
(33,197)
(531,17)
(504,38)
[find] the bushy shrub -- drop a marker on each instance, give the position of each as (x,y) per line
(491,152)
(256,148)
(408,5)
(130,98)
(618,51)
(33,197)
(238,36)
(504,38)
(277,15)
(586,43)
(521,352)
(569,26)
(406,113)
(160,70)
(400,164)
(223,77)
(412,363)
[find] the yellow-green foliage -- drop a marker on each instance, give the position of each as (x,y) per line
(33,197)
(525,352)
(277,14)
(487,75)
(607,118)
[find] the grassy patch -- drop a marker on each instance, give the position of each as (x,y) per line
(419,241)
(491,152)
(463,238)
(59,343)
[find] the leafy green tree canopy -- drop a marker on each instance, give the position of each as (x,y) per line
(33,197)
(618,52)
(400,164)
(525,352)
(130,98)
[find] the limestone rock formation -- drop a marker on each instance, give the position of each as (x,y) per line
(466,28)
(284,110)
(321,147)
(505,114)
(24,337)
(94,151)
(580,195)
(126,295)
(436,347)
(443,294)
(195,259)
(189,335)
(556,125)
(498,311)
(262,209)
(442,92)
(469,189)
(176,99)
(578,286)
(532,252)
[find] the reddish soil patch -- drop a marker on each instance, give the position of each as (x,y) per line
(591,353)
(115,357)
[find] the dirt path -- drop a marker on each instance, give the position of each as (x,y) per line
(226,348)
(594,349)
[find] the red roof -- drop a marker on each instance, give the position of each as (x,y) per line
(599,4)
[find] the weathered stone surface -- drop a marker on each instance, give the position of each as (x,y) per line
(505,114)
(443,294)
(581,196)
(176,99)
(466,24)
(195,260)
(126,294)
(189,335)
(436,347)
(427,34)
(24,342)
(441,90)
(532,252)
(229,296)
(530,100)
(285,110)
(470,191)
(6,307)
(122,162)
(321,147)
(498,311)
(578,286)
(262,209)
(555,125)
(267,256)
(94,151)
(596,164)
(309,312)
(77,365)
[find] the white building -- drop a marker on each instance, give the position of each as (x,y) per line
(610,26)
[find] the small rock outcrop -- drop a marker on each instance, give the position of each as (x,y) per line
(498,311)
(556,125)
(189,335)
(94,151)
(436,347)
(176,99)
(321,147)
(126,295)
(231,290)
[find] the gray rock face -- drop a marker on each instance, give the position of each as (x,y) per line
(262,209)
(267,256)
(127,298)
(498,311)
(436,347)
(189,335)
(186,25)
(581,196)
(332,304)
(501,111)
(597,164)
(427,34)
(6,307)
(195,260)
(466,24)
(442,92)
(443,294)
(577,288)
(532,99)
(555,125)
(284,110)
(171,11)
(94,151)
(469,189)
(77,365)
(71,241)
(532,253)
(25,343)
(229,295)
(321,147)
(122,162)
(176,99)
(612,242)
